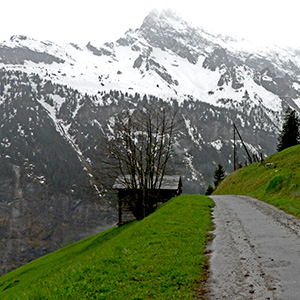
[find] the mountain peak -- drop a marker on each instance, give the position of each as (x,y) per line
(164,19)
(166,14)
(167,30)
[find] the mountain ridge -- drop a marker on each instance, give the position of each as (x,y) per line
(146,61)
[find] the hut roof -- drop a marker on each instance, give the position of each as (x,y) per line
(169,182)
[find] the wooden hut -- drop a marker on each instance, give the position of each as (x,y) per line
(171,186)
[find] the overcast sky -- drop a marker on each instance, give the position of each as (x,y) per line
(100,21)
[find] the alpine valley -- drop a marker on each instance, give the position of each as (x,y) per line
(57,103)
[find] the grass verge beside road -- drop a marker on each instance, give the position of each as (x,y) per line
(276,181)
(160,257)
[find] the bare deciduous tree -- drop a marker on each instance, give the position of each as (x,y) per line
(137,151)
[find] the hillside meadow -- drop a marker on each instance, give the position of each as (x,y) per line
(276,181)
(160,257)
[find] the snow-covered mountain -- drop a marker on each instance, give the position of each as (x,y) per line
(57,101)
(165,57)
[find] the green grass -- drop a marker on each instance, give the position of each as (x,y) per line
(160,257)
(278,184)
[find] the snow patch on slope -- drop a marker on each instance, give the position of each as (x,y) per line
(218,144)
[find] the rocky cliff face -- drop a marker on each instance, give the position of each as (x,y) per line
(57,104)
(32,226)
(46,198)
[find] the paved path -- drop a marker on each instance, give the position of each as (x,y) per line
(255,252)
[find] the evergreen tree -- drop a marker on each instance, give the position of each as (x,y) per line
(219,175)
(290,134)
(209,190)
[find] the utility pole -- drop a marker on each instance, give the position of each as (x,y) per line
(249,156)
(234,150)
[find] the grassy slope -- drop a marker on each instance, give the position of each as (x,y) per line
(278,184)
(161,257)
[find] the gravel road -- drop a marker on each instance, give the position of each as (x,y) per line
(255,253)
